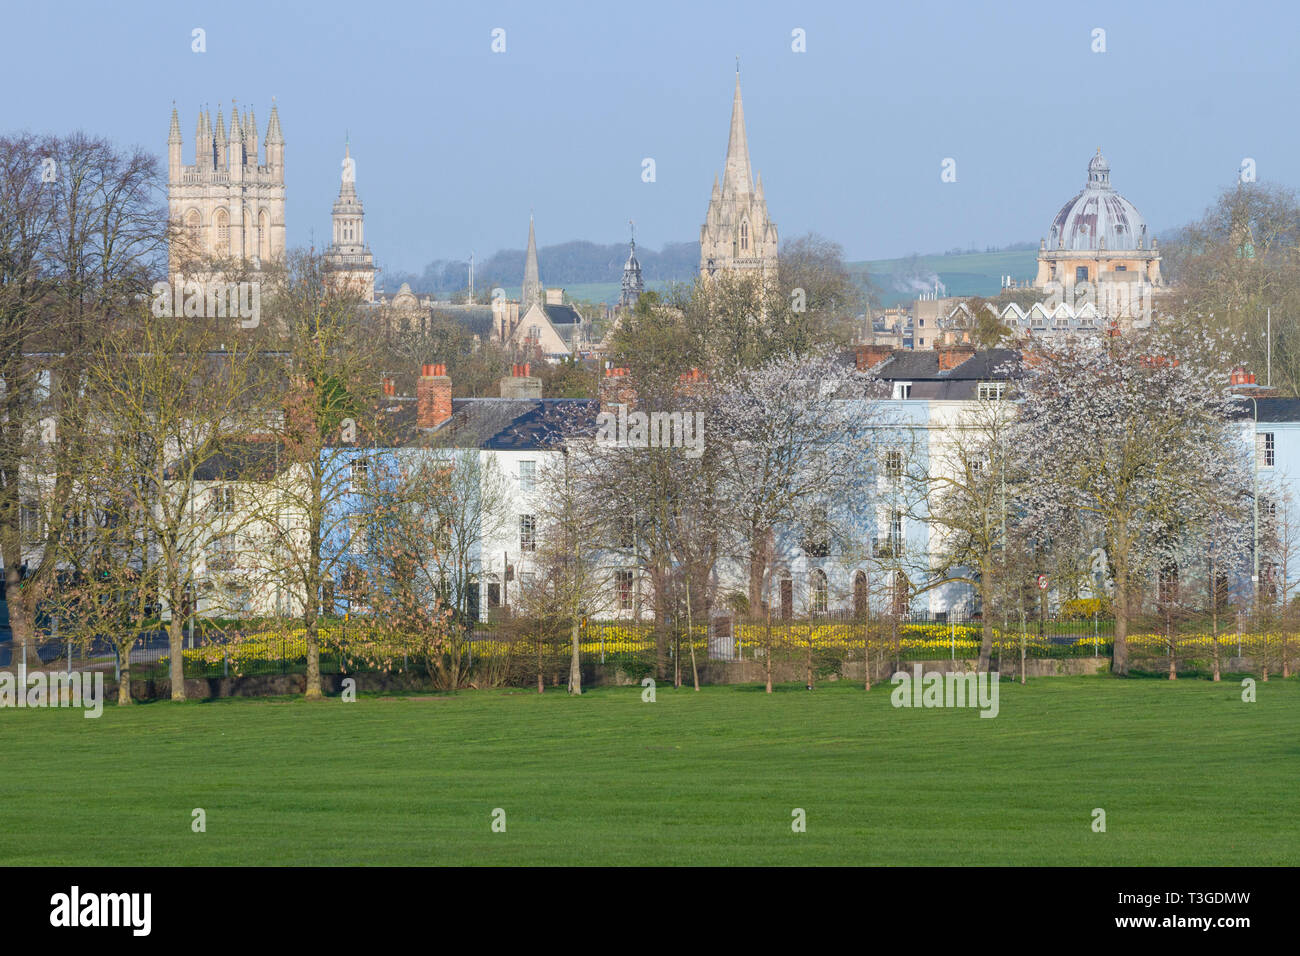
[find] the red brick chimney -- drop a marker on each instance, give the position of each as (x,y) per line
(433,396)
(950,356)
(869,356)
(390,388)
(616,388)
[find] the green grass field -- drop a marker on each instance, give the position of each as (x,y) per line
(1186,772)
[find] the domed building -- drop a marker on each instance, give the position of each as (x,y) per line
(1098,251)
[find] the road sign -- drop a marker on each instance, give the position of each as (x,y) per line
(1042,582)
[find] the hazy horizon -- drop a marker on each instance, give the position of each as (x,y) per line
(454,144)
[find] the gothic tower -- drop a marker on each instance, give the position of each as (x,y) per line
(532,291)
(737,235)
(229,204)
(348,258)
(632,284)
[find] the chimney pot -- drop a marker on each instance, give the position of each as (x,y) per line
(433,396)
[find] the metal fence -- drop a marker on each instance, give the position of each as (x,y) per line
(521,652)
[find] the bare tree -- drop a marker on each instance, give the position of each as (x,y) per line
(168,402)
(330,414)
(969,483)
(81,227)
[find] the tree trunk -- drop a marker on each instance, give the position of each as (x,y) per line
(677,655)
(986,624)
(22,625)
(1169,639)
(690,637)
(313,661)
(866,655)
(541,684)
(176,646)
(767,653)
(1215,639)
(1119,655)
(124,684)
(575,663)
(757,564)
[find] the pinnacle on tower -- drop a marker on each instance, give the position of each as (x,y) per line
(348,188)
(273,135)
(174,136)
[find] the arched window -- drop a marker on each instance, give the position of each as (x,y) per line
(859,594)
(222,219)
(818,592)
(193,227)
(744,234)
(263,236)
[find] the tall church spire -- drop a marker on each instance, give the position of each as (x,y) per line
(532,291)
(736,178)
(737,235)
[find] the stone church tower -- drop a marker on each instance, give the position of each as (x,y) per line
(230,203)
(348,258)
(737,235)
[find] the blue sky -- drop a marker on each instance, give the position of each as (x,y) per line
(454,144)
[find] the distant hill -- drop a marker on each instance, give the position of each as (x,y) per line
(593,272)
(970,273)
(568,264)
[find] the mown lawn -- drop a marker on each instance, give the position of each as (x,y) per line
(1186,772)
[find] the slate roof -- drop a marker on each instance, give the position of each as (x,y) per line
(921,368)
(512,424)
(240,461)
(985,365)
(562,314)
(1277,410)
(475,319)
(494,424)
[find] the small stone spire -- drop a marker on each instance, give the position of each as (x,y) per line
(174,135)
(273,135)
(348,177)
(532,290)
(632,283)
(250,136)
